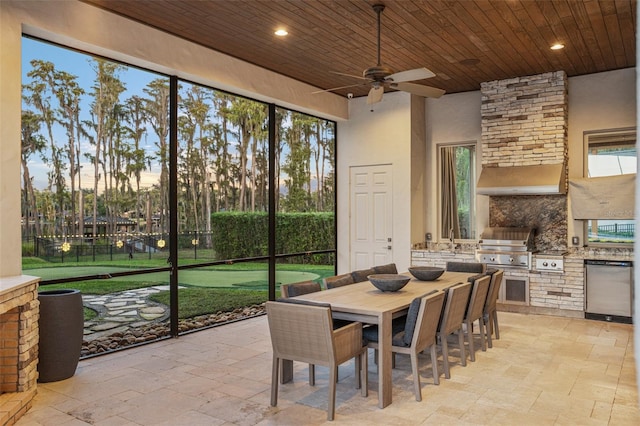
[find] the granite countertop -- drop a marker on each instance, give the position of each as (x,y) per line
(571,253)
(602,256)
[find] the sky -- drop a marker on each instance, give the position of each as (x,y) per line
(79,65)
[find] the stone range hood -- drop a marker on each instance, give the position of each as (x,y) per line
(524,155)
(541,179)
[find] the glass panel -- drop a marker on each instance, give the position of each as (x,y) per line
(94,136)
(611,153)
(222,175)
(95,189)
(305,218)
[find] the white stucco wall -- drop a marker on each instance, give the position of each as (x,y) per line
(452,118)
(375,138)
(88,28)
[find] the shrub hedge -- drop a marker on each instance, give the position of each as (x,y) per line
(245,234)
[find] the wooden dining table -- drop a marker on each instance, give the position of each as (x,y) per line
(365,303)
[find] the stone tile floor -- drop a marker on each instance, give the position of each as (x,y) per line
(543,371)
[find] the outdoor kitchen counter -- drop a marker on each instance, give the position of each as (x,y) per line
(550,292)
(440,258)
(603,254)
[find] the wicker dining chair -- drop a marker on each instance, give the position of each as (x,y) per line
(297,289)
(337,281)
(451,322)
(475,312)
(304,332)
(389,268)
(470,267)
(362,274)
(417,335)
(490,313)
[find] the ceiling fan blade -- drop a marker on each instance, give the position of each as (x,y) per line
(375,95)
(349,75)
(338,88)
(410,75)
(418,89)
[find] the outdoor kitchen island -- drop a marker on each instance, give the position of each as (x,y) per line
(548,292)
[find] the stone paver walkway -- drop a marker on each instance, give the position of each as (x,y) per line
(118,312)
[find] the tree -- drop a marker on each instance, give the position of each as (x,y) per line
(32,142)
(240,115)
(38,94)
(222,157)
(157,113)
(281,116)
(137,159)
(68,93)
(105,91)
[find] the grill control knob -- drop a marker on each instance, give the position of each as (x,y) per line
(553,264)
(511,260)
(545,264)
(493,259)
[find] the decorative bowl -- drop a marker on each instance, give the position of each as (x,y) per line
(389,282)
(426,273)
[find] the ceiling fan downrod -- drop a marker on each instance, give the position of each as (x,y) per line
(378,8)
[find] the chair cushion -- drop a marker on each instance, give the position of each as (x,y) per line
(412,319)
(298,289)
(370,333)
(471,267)
(386,269)
(339,281)
(491,271)
(473,278)
(362,274)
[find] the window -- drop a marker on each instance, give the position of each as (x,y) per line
(458,190)
(610,153)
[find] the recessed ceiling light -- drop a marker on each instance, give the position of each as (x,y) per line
(281,32)
(557,46)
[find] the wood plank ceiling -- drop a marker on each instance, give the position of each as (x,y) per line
(463,42)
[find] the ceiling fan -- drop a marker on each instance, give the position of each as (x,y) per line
(381,76)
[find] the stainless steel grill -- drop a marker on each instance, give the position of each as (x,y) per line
(506,247)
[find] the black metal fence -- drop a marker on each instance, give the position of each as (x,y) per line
(85,249)
(616,230)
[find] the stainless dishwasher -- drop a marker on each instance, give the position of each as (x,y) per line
(609,288)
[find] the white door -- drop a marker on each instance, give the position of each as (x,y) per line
(371,238)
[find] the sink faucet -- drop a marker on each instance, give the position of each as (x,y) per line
(451,238)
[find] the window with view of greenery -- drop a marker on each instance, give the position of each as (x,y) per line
(457,190)
(610,153)
(97,208)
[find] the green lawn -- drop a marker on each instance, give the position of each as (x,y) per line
(250,276)
(189,277)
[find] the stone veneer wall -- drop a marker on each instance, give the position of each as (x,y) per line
(19,313)
(524,122)
(559,291)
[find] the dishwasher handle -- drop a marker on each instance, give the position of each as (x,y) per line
(620,263)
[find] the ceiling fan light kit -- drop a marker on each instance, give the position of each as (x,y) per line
(380,77)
